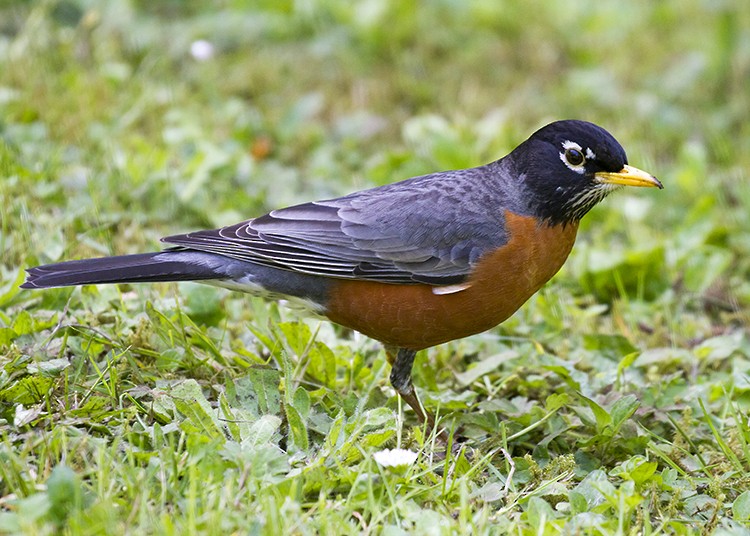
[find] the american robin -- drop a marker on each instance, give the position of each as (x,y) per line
(411,264)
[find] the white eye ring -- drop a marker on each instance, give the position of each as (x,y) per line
(573,156)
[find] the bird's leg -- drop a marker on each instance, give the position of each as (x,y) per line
(401,381)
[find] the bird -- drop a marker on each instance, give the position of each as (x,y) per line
(412,264)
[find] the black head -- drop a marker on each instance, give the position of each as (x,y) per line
(569,166)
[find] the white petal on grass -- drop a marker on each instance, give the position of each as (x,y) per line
(395,457)
(202,50)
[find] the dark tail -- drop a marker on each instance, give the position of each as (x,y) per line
(141,268)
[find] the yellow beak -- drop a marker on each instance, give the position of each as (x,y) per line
(629,176)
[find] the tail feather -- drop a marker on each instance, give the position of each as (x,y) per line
(139,268)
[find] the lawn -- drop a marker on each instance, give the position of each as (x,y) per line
(615,401)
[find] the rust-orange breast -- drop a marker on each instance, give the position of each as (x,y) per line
(413,316)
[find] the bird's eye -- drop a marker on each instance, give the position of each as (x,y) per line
(574,157)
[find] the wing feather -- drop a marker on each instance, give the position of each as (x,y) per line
(430,229)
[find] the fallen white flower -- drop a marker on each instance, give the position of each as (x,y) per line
(395,457)
(202,50)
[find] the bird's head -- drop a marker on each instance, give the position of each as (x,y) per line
(567,167)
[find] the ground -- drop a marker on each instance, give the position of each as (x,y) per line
(615,401)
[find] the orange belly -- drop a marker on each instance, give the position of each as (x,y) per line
(414,317)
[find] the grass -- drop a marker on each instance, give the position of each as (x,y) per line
(614,402)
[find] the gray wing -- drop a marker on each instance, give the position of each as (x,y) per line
(430,229)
